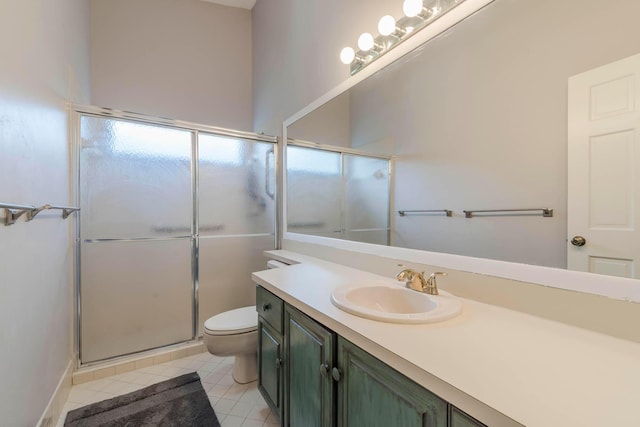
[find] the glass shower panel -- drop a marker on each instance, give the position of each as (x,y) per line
(135,295)
(236,186)
(236,220)
(366,193)
(314,191)
(135,180)
(225,270)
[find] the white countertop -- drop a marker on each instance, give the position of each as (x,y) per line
(489,360)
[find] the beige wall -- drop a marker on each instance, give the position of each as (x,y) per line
(181,59)
(296,48)
(45,63)
(329,124)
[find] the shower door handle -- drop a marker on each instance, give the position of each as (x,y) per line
(267,188)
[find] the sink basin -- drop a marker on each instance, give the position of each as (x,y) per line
(396,304)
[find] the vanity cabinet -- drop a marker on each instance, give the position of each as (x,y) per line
(309,355)
(270,349)
(370,393)
(311,377)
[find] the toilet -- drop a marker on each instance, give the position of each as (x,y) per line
(235,333)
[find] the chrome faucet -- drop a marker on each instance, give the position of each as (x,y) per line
(417,282)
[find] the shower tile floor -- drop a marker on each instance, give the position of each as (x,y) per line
(235,404)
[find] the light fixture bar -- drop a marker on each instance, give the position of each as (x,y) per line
(418,14)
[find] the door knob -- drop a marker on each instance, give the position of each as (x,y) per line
(578,241)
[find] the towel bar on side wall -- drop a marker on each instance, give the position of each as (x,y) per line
(546,212)
(12,211)
(432,211)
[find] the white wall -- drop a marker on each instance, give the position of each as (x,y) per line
(45,62)
(181,59)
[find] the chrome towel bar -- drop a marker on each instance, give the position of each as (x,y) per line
(432,211)
(12,211)
(546,212)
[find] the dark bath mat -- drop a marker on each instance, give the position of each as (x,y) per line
(180,401)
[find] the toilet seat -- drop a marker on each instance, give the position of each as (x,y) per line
(233,322)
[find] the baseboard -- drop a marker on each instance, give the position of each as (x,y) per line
(52,412)
(137,361)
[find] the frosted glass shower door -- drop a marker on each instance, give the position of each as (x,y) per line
(137,240)
(236,221)
(366,199)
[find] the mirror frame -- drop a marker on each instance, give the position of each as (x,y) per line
(609,286)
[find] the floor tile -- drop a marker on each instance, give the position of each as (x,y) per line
(259,412)
(252,423)
(217,390)
(273,419)
(232,421)
(236,405)
(241,409)
(224,406)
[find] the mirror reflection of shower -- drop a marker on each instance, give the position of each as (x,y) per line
(335,193)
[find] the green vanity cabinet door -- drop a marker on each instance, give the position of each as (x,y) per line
(309,349)
(270,366)
(370,394)
(457,418)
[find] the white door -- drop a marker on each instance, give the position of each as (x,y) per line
(604,170)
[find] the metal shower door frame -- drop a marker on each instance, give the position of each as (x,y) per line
(76,112)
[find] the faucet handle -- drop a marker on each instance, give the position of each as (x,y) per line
(404,273)
(432,286)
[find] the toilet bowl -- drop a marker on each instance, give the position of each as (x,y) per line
(235,333)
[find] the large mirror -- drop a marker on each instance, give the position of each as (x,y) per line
(478,119)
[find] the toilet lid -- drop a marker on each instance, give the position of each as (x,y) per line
(236,321)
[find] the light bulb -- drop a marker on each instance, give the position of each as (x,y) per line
(347,55)
(365,41)
(387,25)
(412,8)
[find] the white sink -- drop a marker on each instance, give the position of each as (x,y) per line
(395,303)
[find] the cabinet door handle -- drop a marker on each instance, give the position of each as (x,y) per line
(278,362)
(336,374)
(266,306)
(324,369)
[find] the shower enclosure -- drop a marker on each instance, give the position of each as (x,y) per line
(174,218)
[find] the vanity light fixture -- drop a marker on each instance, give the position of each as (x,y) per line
(347,55)
(366,42)
(418,14)
(387,26)
(412,8)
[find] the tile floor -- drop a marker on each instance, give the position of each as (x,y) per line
(235,404)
